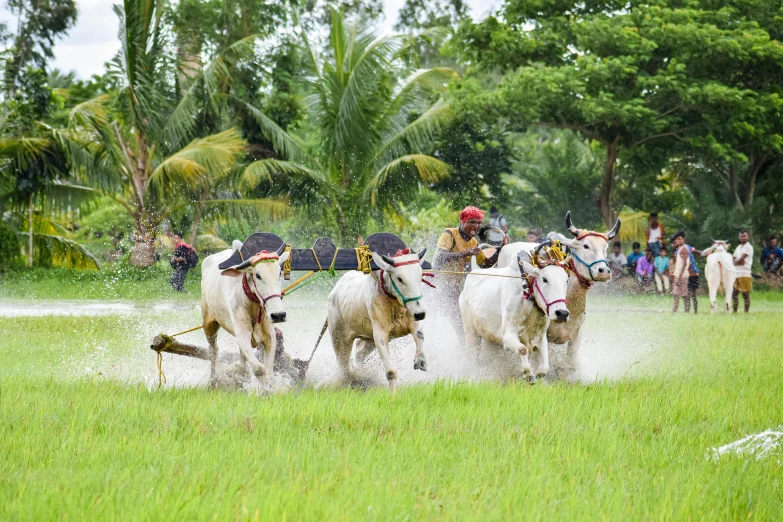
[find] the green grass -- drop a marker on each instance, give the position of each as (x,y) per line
(633,449)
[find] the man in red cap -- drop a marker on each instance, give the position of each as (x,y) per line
(455,248)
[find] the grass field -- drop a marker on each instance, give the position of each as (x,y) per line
(109,447)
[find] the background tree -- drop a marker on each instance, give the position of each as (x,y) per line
(367,131)
(627,76)
(39,24)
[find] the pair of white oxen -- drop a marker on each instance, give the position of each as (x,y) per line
(519,314)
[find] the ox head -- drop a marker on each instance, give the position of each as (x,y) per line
(548,285)
(404,277)
(262,272)
(588,249)
(720,245)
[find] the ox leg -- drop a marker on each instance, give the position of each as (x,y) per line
(211,331)
(364,347)
(543,350)
(245,342)
(419,361)
(511,342)
(382,344)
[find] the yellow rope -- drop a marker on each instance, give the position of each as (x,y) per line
(161,375)
(287,263)
(199,327)
(298,281)
(316,259)
(363,258)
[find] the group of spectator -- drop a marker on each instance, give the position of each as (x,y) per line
(680,274)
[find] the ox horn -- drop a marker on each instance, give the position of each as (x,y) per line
(570,225)
(536,250)
(421,254)
(388,259)
(281,249)
(615,229)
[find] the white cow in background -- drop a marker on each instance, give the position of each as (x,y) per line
(244,300)
(509,312)
(719,271)
(587,259)
(374,308)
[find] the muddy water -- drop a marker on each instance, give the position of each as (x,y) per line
(605,352)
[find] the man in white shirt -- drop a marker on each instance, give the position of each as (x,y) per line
(497,233)
(743,259)
(617,260)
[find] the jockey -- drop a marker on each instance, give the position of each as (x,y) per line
(455,248)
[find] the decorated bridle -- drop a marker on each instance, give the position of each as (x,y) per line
(256,297)
(557,258)
(574,256)
(405,300)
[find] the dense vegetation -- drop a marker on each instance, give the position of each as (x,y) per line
(302,120)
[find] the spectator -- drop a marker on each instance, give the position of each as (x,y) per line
(645,268)
(688,291)
(772,257)
(633,258)
(655,234)
(743,260)
(185,257)
(617,260)
(534,235)
(662,272)
(499,229)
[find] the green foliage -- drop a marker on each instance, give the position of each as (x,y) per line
(369,131)
(9,247)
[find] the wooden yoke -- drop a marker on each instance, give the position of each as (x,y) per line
(319,257)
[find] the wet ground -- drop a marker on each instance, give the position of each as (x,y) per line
(616,343)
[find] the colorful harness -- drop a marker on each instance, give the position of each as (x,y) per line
(405,300)
(556,256)
(261,257)
(588,265)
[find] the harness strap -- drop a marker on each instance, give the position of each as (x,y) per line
(589,265)
(254,298)
(587,285)
(605,237)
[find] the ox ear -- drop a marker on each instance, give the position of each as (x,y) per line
(528,268)
(615,229)
(236,270)
(381,262)
(421,255)
(554,236)
(236,245)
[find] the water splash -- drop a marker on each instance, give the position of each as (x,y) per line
(758,445)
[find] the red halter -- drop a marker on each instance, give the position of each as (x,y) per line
(253,297)
(528,294)
(587,285)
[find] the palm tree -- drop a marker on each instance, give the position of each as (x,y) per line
(368,130)
(34,185)
(133,146)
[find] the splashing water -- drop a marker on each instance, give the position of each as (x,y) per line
(759,445)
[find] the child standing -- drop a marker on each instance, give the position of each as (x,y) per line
(662,272)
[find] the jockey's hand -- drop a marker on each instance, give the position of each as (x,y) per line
(472,252)
(505,240)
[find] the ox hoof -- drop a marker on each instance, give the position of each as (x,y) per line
(531,379)
(420,364)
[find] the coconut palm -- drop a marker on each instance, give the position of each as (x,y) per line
(368,130)
(34,185)
(133,146)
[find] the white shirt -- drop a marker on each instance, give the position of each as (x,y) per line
(499,222)
(743,270)
(655,234)
(617,261)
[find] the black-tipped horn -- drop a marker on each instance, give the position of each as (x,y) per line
(281,249)
(570,224)
(615,230)
(538,249)
(387,259)
(421,254)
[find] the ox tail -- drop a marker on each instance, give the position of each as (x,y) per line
(473,264)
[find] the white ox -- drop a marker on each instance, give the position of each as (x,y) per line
(507,312)
(719,270)
(374,308)
(226,302)
(587,259)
